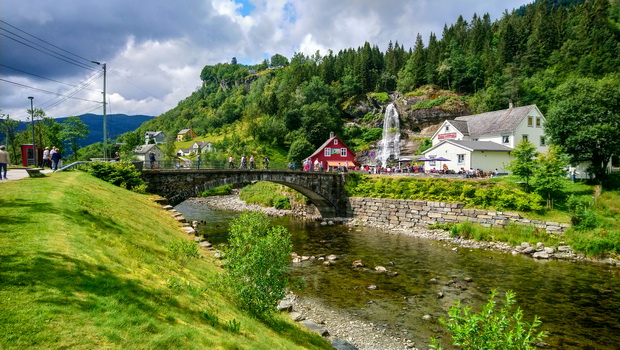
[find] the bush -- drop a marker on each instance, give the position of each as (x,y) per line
(282,202)
(257,261)
(217,191)
(491,329)
(120,174)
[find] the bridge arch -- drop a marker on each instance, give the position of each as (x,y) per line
(324,190)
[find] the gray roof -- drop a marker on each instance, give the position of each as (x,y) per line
(474,146)
(145,148)
(460,125)
(496,122)
(184,131)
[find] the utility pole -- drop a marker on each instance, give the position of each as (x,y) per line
(105,127)
(34,151)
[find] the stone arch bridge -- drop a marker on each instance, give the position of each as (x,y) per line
(324,190)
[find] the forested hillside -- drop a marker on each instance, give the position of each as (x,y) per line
(293,104)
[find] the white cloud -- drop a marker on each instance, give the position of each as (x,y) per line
(155,51)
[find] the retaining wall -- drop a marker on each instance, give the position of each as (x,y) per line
(415,213)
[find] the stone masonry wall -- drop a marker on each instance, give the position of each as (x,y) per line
(416,213)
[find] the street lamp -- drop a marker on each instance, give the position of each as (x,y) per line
(34,153)
(105,132)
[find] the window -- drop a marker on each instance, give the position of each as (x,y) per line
(538,121)
(475,139)
(530,121)
(343,152)
(335,141)
(460,158)
(447,128)
(543,141)
(525,137)
(506,139)
(327,152)
(432,162)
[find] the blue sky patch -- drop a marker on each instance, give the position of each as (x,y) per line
(246,7)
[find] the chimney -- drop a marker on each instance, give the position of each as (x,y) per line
(331,134)
(510,105)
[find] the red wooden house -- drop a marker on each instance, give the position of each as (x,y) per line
(333,153)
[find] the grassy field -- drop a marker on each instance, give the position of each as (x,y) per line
(85,264)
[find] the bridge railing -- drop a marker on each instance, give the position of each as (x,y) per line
(217,165)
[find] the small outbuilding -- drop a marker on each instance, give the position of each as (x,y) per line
(186,134)
(157,137)
(142,153)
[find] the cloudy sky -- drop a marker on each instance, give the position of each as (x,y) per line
(155,49)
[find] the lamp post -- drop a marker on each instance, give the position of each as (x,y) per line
(34,153)
(105,129)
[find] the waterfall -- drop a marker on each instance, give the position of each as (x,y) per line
(390,142)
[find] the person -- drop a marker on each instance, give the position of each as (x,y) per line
(231,165)
(46,158)
(496,173)
(117,157)
(243,163)
(252,162)
(199,160)
(266,162)
(152,159)
(4,162)
(316,165)
(56,157)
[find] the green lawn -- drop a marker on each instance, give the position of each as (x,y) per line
(85,264)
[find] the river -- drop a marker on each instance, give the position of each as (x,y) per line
(578,303)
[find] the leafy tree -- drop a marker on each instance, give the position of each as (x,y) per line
(550,174)
(73,130)
(257,261)
(491,329)
(585,119)
(524,163)
(279,60)
(300,150)
(8,127)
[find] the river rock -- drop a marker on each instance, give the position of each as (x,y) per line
(540,246)
(525,245)
(380,269)
(296,316)
(315,327)
(372,287)
(332,257)
(285,305)
(467,279)
(528,250)
(218,254)
(540,255)
(328,263)
(565,249)
(439,295)
(199,239)
(427,318)
(338,344)
(296,260)
(205,244)
(549,250)
(392,273)
(357,263)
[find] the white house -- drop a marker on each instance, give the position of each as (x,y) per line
(142,153)
(484,141)
(157,136)
(202,146)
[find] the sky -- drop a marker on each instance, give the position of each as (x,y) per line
(154,50)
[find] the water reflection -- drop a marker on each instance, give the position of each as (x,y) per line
(578,303)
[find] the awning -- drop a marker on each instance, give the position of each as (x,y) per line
(335,164)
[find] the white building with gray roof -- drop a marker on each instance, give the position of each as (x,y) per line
(484,141)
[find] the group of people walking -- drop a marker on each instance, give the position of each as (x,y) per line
(244,162)
(51,158)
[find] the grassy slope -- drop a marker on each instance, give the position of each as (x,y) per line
(84,264)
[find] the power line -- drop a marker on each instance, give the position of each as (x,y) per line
(87,61)
(49,92)
(82,86)
(38,76)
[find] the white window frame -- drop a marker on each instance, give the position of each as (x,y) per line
(530,122)
(539,122)
(327,152)
(505,138)
(543,141)
(447,128)
(460,158)
(335,141)
(343,152)
(525,137)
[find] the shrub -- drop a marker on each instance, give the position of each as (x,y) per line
(427,104)
(217,191)
(491,329)
(120,174)
(282,202)
(257,261)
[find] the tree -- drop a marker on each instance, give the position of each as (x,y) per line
(300,149)
(524,163)
(550,174)
(585,119)
(257,261)
(278,60)
(9,128)
(73,130)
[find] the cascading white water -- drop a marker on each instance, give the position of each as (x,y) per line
(390,142)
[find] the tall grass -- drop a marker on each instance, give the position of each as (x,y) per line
(85,264)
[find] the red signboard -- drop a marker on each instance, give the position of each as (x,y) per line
(449,135)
